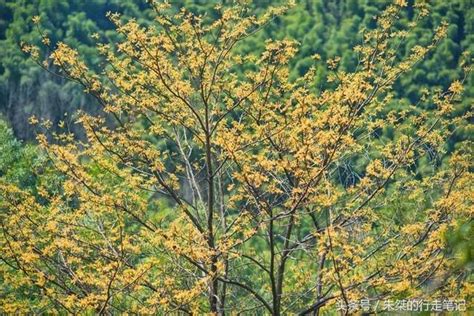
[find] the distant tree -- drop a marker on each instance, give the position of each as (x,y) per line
(25,90)
(221,190)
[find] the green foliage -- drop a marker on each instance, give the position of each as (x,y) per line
(16,160)
(461,244)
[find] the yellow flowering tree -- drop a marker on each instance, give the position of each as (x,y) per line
(214,183)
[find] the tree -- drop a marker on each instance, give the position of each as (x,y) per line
(221,190)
